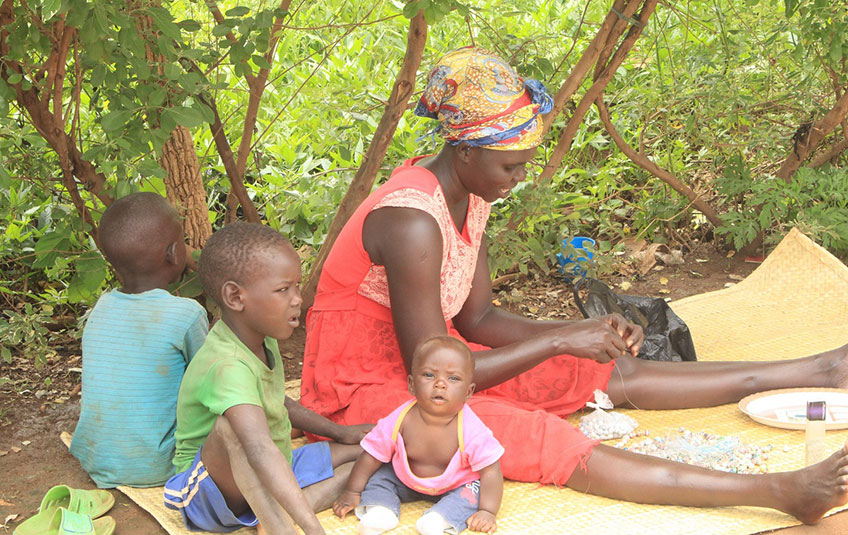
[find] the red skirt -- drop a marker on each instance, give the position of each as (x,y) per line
(353,373)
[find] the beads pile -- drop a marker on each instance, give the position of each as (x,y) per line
(707,450)
(601,425)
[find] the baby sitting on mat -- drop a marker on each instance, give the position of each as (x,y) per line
(434,448)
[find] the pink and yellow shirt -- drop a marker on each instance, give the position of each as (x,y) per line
(478,448)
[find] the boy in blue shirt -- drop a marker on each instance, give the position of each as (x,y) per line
(135,348)
(234,456)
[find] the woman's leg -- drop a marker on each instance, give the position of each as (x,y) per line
(683,385)
(806,494)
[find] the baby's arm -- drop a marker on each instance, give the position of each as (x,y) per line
(312,422)
(363,469)
(491,492)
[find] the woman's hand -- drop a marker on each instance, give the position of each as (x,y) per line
(482,521)
(346,503)
(601,339)
(352,434)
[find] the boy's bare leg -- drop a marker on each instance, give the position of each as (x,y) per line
(681,385)
(321,495)
(226,462)
(806,494)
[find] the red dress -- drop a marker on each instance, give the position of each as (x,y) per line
(353,371)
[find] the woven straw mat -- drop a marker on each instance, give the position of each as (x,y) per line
(794,304)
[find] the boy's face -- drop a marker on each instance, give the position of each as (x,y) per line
(271,296)
(441,381)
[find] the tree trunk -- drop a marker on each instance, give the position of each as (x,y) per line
(804,142)
(364,179)
(184,186)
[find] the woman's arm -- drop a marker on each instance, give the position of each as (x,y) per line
(408,243)
(482,322)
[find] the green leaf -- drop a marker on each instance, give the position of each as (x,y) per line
(239,11)
(189,25)
(260,61)
(188,117)
(790,7)
(49,9)
(221,29)
(116,120)
(5,179)
(835,50)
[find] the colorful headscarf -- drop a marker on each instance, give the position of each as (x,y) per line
(479,99)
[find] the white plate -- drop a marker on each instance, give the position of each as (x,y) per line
(787,408)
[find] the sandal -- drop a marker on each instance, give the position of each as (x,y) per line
(92,503)
(66,522)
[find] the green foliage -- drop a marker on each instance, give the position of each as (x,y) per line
(816,201)
(25,332)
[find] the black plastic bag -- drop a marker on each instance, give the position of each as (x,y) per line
(666,335)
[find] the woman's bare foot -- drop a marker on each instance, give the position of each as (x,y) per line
(811,492)
(840,367)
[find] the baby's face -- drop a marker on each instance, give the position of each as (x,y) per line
(441,381)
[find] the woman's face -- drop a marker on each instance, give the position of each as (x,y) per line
(491,174)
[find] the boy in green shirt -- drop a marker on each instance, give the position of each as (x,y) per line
(233,454)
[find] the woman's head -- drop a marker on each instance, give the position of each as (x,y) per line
(479,99)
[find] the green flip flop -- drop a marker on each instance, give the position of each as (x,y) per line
(66,522)
(93,503)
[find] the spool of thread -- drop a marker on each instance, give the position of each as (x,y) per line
(816,447)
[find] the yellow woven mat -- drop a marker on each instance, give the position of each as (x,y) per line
(794,304)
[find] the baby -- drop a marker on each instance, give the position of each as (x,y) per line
(438,450)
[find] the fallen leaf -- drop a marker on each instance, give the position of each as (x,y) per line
(675,257)
(75,390)
(663,281)
(496,302)
(15,449)
(4,503)
(701,260)
(26,442)
(695,274)
(736,277)
(730,253)
(665,291)
(624,285)
(729,284)
(3,452)
(9,518)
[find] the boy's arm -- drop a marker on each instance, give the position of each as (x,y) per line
(312,422)
(491,493)
(250,426)
(363,469)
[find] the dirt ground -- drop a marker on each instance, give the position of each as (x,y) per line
(36,405)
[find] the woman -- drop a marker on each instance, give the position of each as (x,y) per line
(411,263)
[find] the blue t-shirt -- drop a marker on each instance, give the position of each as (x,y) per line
(135,348)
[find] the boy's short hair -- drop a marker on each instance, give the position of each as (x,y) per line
(443,341)
(230,252)
(131,231)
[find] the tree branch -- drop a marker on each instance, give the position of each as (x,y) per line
(645,163)
(364,179)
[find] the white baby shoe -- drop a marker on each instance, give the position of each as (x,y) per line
(432,523)
(377,519)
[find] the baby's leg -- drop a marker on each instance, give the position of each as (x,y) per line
(226,462)
(806,494)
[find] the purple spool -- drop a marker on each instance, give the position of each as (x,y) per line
(816,410)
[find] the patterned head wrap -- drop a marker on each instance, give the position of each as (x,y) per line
(479,99)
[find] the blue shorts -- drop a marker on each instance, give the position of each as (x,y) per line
(384,488)
(202,506)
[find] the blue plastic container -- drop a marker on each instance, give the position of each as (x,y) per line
(576,266)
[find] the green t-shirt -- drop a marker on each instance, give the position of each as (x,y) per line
(225,373)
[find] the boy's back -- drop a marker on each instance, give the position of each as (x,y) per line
(135,350)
